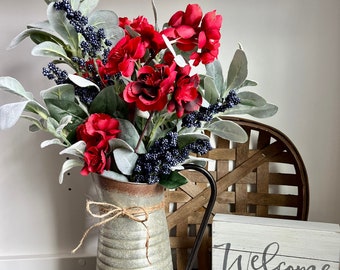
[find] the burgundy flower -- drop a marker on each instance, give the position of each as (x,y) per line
(123,56)
(150,90)
(185,97)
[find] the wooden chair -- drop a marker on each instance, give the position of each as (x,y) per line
(263,177)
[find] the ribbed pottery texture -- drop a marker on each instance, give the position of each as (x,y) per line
(123,243)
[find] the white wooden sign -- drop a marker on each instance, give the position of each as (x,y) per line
(253,243)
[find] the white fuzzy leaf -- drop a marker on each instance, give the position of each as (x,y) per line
(49,49)
(50,142)
(10,114)
(13,86)
(82,82)
(76,149)
(115,176)
(125,160)
(68,165)
(228,130)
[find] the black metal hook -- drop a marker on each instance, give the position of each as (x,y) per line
(208,211)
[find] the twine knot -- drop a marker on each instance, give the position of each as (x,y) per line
(108,212)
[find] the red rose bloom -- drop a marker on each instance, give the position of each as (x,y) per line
(94,161)
(151,89)
(123,56)
(97,130)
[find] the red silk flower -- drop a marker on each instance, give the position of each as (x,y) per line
(185,97)
(94,161)
(96,132)
(150,90)
(123,56)
(192,32)
(151,38)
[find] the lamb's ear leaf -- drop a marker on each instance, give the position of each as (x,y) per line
(60,24)
(228,130)
(214,70)
(10,114)
(238,71)
(13,86)
(125,160)
(68,165)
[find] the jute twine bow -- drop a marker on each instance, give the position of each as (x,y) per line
(110,211)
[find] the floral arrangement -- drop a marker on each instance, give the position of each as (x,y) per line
(128,103)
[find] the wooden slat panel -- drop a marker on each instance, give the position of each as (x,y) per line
(272,199)
(242,188)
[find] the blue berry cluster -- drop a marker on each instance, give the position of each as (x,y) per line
(52,72)
(86,94)
(93,40)
(206,114)
(164,154)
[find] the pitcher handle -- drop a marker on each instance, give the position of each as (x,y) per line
(208,211)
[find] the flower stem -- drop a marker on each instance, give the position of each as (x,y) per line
(144,131)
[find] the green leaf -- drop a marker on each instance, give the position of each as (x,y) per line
(61,108)
(51,125)
(13,86)
(37,35)
(63,123)
(108,20)
(185,139)
(68,165)
(75,4)
(61,25)
(251,99)
(173,180)
(197,160)
(119,143)
(267,110)
(87,6)
(54,141)
(227,130)
(115,176)
(107,101)
(48,49)
(35,107)
(10,114)
(238,71)
(82,82)
(130,135)
(211,94)
(125,160)
(214,70)
(60,92)
(77,149)
(248,83)
(37,123)
(124,156)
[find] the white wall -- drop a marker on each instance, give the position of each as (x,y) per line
(293,52)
